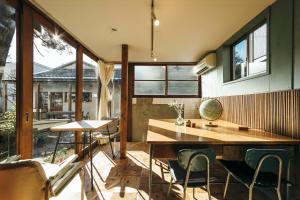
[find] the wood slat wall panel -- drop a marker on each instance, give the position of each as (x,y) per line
(277,112)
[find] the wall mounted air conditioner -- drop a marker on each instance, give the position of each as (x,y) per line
(206,64)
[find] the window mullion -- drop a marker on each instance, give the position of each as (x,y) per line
(166,81)
(248,54)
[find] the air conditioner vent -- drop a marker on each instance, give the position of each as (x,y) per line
(202,70)
(206,64)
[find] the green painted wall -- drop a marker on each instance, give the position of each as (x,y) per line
(280,19)
(297,45)
(281,38)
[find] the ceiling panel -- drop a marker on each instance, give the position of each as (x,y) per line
(188,28)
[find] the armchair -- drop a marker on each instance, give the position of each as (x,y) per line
(34,180)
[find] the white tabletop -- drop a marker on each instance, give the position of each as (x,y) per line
(82,125)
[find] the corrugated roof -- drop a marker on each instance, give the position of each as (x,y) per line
(68,72)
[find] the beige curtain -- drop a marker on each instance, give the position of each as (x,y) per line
(105,75)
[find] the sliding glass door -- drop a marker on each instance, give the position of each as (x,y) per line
(54,91)
(8,89)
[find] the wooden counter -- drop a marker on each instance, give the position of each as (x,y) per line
(166,139)
(166,132)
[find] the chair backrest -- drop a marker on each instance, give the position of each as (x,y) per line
(270,164)
(22,180)
(113,127)
(199,162)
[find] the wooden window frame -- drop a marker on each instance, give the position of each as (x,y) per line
(165,80)
(26,14)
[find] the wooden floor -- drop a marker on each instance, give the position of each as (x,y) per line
(128,179)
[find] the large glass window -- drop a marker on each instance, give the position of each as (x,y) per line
(54,87)
(115,89)
(7,80)
(90,88)
(240,59)
(165,81)
(250,54)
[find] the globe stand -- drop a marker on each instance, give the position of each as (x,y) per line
(210,124)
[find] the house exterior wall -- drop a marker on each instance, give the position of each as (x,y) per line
(89,108)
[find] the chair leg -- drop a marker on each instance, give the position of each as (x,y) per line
(278,193)
(208,191)
(184,193)
(226,185)
(111,148)
(250,192)
(194,193)
(170,187)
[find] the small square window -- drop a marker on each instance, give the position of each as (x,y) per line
(250,54)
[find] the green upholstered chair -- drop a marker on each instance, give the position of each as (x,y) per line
(261,168)
(191,169)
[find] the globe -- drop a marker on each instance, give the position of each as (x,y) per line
(210,109)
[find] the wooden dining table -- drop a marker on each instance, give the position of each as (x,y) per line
(165,138)
(84,126)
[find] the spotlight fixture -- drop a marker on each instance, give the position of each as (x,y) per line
(153,57)
(154,18)
(156,22)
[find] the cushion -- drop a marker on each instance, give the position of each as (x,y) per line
(55,173)
(11,159)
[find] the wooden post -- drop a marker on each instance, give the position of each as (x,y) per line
(24,82)
(124,102)
(78,101)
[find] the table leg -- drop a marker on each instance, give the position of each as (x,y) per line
(91,161)
(287,195)
(84,141)
(150,170)
(56,145)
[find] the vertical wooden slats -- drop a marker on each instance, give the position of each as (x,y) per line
(277,112)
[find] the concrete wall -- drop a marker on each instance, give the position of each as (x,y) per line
(144,109)
(280,77)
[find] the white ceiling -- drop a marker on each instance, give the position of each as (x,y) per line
(188,28)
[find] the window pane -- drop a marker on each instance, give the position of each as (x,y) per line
(149,88)
(115,88)
(7,81)
(182,88)
(54,78)
(149,72)
(181,73)
(90,88)
(260,42)
(258,62)
(240,59)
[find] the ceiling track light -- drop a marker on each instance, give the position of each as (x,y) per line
(154,18)
(154,22)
